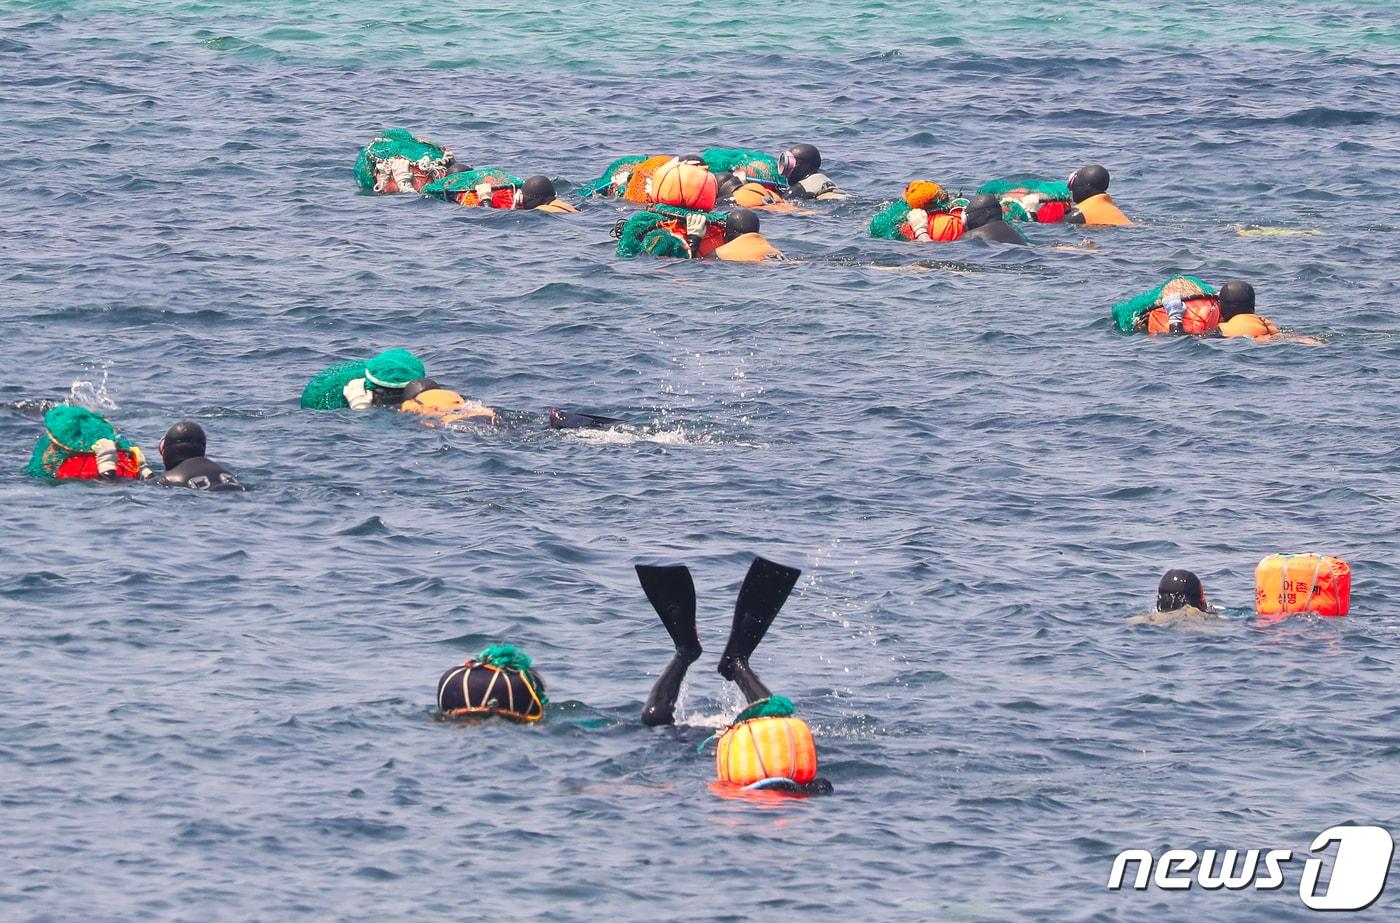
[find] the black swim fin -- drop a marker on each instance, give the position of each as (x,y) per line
(568,419)
(765,589)
(672,594)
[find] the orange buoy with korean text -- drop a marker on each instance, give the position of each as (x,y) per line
(1288,583)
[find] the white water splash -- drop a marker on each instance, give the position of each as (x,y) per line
(83,393)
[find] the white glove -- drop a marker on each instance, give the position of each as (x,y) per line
(1031,203)
(483,194)
(106,452)
(918,223)
(403,175)
(695,225)
(356,395)
(1174,308)
(619,181)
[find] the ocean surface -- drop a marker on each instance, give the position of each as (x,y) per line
(220,707)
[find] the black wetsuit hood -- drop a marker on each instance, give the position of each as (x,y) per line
(984,221)
(799,162)
(1236,297)
(537,191)
(418,386)
(740,221)
(1087,182)
(980,210)
(182,441)
(1179,588)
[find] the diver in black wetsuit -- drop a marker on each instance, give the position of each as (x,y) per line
(671,592)
(801,165)
(182,452)
(983,221)
(1178,589)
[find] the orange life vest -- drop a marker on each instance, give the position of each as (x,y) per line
(83,467)
(752,247)
(447,406)
(756,195)
(1201,315)
(1286,583)
(1100,209)
(1248,325)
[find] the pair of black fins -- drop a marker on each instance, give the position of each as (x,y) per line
(672,593)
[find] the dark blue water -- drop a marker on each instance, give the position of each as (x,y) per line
(220,707)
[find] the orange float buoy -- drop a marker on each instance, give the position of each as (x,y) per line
(684,185)
(1287,583)
(945,226)
(766,748)
(1200,315)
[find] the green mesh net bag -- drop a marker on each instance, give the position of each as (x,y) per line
(1012,189)
(1129,315)
(69,433)
(392,368)
(610,182)
(889,219)
(642,232)
(510,657)
(468,180)
(395,155)
(755,164)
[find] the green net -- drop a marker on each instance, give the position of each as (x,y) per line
(398,142)
(604,184)
(754,163)
(324,392)
(69,431)
(1011,189)
(505,656)
(642,232)
(775,706)
(467,180)
(889,220)
(393,367)
(510,657)
(1128,315)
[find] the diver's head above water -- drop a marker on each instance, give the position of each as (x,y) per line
(1179,588)
(183,441)
(1088,181)
(536,191)
(1236,297)
(981,209)
(740,221)
(799,162)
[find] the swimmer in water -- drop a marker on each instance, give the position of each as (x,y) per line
(1180,598)
(398,161)
(982,220)
(486,187)
(499,682)
(363,383)
(801,166)
(671,592)
(1088,188)
(182,453)
(742,242)
(1237,317)
(747,193)
(80,444)
(438,405)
